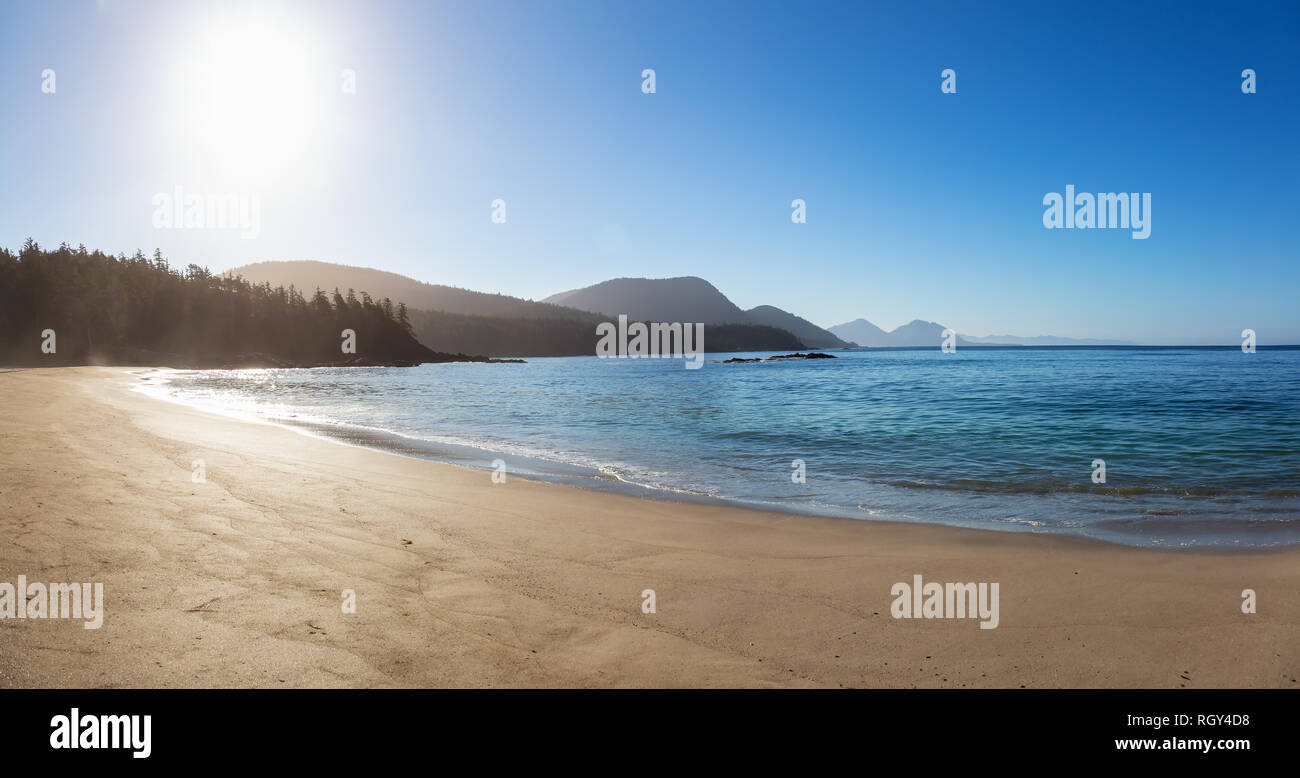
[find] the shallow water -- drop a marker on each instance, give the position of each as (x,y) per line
(1201,446)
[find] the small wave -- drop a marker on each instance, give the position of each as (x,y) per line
(544,437)
(1060,487)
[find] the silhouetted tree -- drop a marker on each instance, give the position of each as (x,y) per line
(106,309)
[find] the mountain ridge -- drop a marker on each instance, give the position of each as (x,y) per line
(917,332)
(680,298)
(399,288)
(445,318)
(688,298)
(922,333)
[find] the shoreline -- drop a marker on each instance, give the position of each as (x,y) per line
(236,581)
(471,457)
(530,466)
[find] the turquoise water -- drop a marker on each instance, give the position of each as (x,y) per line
(1201,446)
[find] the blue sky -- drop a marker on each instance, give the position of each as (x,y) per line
(919,204)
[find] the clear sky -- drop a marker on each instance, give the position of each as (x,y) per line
(919,204)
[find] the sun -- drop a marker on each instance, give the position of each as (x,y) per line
(250,91)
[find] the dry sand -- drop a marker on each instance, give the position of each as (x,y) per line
(237,582)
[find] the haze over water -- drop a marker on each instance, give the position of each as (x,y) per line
(1202,446)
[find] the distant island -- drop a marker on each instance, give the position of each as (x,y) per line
(920,333)
(779,358)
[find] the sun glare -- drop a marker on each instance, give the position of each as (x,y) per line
(251,91)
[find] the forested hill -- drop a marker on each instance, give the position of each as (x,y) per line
(416,294)
(452,319)
(521,337)
(73,306)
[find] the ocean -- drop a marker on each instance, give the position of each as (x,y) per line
(1201,446)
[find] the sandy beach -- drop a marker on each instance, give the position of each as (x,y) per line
(237,581)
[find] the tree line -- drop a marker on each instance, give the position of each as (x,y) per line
(74,306)
(503,336)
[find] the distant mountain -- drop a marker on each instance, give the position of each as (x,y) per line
(914,333)
(811,335)
(446,318)
(1041,340)
(686,298)
(920,333)
(308,275)
(861,332)
(928,333)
